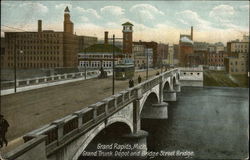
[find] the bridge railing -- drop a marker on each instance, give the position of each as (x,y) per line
(67,128)
(38,80)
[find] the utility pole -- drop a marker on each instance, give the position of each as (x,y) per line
(113,81)
(85,64)
(147,65)
(15,64)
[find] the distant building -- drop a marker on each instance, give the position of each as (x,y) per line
(150,48)
(86,41)
(2,53)
(127,39)
(186,49)
(162,53)
(44,48)
(170,58)
(99,55)
(216,60)
(237,61)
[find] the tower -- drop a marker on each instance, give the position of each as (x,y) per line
(127,38)
(68,26)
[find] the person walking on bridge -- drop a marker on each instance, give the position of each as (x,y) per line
(139,79)
(131,83)
(3,129)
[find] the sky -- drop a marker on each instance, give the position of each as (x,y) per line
(160,21)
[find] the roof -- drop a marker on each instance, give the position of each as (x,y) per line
(127,23)
(105,48)
(186,40)
(66,9)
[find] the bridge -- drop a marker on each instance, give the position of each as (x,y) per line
(68,137)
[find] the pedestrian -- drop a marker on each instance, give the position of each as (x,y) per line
(131,83)
(3,129)
(139,79)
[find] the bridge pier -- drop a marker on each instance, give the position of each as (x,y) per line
(169,96)
(156,111)
(138,143)
(177,87)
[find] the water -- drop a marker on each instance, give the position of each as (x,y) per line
(205,123)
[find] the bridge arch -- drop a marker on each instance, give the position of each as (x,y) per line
(92,134)
(149,96)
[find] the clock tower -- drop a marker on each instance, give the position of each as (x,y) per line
(127,39)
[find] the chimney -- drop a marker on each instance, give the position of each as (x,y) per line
(106,37)
(39,25)
(191,32)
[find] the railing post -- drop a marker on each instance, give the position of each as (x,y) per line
(27,82)
(37,80)
(59,125)
(45,79)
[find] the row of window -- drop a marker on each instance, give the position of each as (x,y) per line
(34,65)
(96,64)
(236,63)
(34,47)
(37,35)
(35,58)
(40,41)
(215,60)
(38,52)
(236,70)
(95,56)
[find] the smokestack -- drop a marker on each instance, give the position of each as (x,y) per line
(191,32)
(39,25)
(106,37)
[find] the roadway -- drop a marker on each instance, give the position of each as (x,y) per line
(29,110)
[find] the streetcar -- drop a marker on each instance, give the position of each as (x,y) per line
(124,71)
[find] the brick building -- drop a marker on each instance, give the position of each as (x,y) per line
(216,59)
(186,49)
(44,48)
(127,39)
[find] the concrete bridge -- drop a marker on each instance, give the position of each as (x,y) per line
(67,138)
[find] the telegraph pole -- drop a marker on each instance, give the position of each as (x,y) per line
(85,65)
(147,66)
(113,80)
(15,64)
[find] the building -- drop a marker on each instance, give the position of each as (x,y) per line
(151,46)
(162,53)
(127,39)
(237,61)
(100,55)
(170,57)
(186,49)
(44,48)
(2,53)
(216,60)
(86,41)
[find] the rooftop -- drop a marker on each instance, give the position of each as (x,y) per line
(102,48)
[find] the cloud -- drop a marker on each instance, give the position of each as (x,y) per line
(62,6)
(35,7)
(90,12)
(191,18)
(146,11)
(84,19)
(222,13)
(245,7)
(113,10)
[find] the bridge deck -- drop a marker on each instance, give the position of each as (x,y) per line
(32,109)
